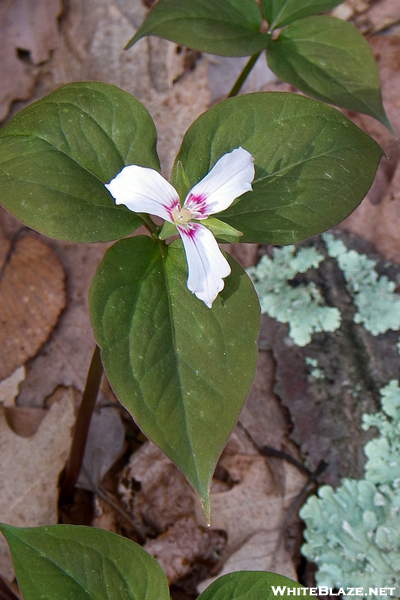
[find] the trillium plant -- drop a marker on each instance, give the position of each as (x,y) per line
(175,318)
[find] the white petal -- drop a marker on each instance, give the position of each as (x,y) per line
(206,263)
(144,190)
(230,177)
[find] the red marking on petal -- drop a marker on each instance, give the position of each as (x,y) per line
(174,202)
(188,230)
(197,206)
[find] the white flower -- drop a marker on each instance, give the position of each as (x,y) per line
(144,190)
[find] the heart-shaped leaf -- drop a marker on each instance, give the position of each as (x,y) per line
(183,370)
(56,154)
(253,585)
(226,27)
(328,59)
(312,165)
(282,12)
(62,562)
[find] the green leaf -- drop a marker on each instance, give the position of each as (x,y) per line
(328,59)
(282,12)
(312,165)
(181,369)
(222,231)
(226,27)
(181,182)
(56,155)
(252,585)
(168,230)
(62,562)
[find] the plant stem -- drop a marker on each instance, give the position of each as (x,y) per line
(243,75)
(89,397)
(148,223)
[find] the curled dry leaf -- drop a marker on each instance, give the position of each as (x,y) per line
(30,29)
(32,295)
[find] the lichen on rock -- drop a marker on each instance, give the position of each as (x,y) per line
(353,532)
(315,371)
(383,453)
(301,306)
(378,307)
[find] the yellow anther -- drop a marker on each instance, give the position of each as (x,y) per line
(181,215)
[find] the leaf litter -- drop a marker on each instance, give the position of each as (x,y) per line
(262,490)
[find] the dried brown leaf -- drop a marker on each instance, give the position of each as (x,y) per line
(24,420)
(29,471)
(383,15)
(164,496)
(184,544)
(9,387)
(32,295)
(262,415)
(30,27)
(65,358)
(162,505)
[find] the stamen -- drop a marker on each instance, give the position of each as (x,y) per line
(181,215)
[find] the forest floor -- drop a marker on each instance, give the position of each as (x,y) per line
(290,422)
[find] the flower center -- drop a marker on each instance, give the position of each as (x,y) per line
(181,215)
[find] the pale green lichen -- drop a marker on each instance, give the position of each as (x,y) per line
(378,307)
(301,306)
(383,465)
(315,372)
(353,532)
